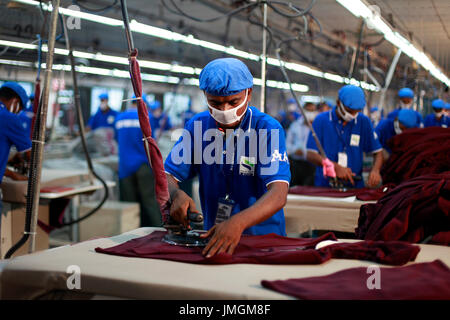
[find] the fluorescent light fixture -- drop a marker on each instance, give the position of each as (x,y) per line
(360,9)
(146,76)
(142,28)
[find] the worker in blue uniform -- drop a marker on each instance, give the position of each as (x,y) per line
(387,128)
(104,117)
(136,179)
(345,134)
(439,117)
(27,114)
(241,190)
(406,101)
(159,120)
(13,98)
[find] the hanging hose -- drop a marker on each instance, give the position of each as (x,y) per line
(76,93)
(355,63)
(33,190)
(152,151)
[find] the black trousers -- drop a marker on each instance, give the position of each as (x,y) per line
(140,187)
(302,172)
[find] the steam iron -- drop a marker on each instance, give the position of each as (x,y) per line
(179,235)
(342,185)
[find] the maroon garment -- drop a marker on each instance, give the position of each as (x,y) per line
(268,249)
(152,151)
(364,194)
(421,281)
(417,152)
(413,211)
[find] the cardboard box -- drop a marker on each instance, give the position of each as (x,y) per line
(112,219)
(13,225)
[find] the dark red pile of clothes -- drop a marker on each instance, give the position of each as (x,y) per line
(417,152)
(363,194)
(417,210)
(269,249)
(421,281)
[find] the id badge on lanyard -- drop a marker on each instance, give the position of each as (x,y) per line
(224,208)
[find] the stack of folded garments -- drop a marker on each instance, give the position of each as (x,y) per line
(417,152)
(414,211)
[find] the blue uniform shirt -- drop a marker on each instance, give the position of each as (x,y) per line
(131,147)
(26,115)
(246,181)
(157,122)
(12,132)
(102,120)
(385,130)
(353,139)
(393,114)
(430,121)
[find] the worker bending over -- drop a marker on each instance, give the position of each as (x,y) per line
(240,157)
(345,134)
(439,118)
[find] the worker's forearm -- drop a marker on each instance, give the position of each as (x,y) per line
(378,161)
(172,185)
(266,206)
(314,158)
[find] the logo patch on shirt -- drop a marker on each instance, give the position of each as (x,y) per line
(354,140)
(247,166)
(110,119)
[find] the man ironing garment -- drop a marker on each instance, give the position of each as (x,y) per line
(240,157)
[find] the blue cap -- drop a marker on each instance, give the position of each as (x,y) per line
(438,104)
(405,93)
(155,105)
(447,106)
(352,97)
(19,90)
(225,77)
(291,100)
(373,109)
(103,96)
(408,118)
(31,96)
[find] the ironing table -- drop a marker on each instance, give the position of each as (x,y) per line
(44,274)
(305,213)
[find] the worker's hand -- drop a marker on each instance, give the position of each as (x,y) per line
(181,203)
(15,176)
(374,178)
(225,237)
(344,173)
(299,152)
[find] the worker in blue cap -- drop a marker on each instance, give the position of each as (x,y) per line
(104,117)
(439,118)
(387,128)
(159,120)
(406,101)
(345,133)
(27,114)
(242,191)
(136,179)
(375,116)
(13,99)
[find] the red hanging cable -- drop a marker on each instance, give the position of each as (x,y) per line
(152,151)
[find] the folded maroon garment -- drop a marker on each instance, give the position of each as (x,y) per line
(268,249)
(421,281)
(413,211)
(417,152)
(363,194)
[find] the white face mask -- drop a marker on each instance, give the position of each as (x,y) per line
(103,105)
(397,127)
(310,115)
(344,114)
(15,107)
(405,105)
(439,114)
(228,116)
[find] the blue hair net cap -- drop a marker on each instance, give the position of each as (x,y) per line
(155,105)
(31,96)
(438,104)
(103,96)
(406,93)
(447,106)
(373,109)
(408,118)
(19,90)
(352,97)
(225,77)
(291,100)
